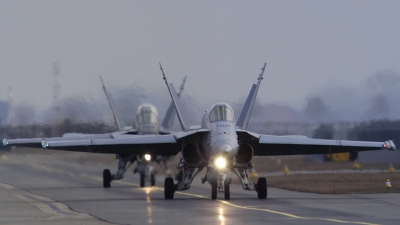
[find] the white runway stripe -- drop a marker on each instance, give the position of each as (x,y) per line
(7,186)
(49,206)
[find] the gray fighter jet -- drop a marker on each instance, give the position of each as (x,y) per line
(220,145)
(146,123)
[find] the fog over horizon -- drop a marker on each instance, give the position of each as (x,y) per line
(373,99)
(326,60)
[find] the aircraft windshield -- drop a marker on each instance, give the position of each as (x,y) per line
(146,117)
(221,112)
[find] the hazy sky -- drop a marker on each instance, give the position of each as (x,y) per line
(220,45)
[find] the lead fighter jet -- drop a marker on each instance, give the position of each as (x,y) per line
(220,144)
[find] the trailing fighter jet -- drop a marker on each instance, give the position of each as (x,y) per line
(220,144)
(146,123)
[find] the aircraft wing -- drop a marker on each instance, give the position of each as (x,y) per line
(37,142)
(116,143)
(269,145)
(137,144)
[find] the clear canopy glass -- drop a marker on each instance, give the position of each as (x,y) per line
(221,112)
(146,115)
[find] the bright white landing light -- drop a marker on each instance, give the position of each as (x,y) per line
(147,157)
(220,162)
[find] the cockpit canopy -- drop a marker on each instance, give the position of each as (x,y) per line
(221,112)
(146,114)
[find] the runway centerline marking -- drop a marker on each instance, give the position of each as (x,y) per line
(289,215)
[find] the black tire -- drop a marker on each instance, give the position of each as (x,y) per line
(169,188)
(262,188)
(227,190)
(152,180)
(214,190)
(107,177)
(142,180)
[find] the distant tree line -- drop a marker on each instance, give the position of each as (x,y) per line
(54,129)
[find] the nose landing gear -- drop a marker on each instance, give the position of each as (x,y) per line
(214,190)
(227,193)
(221,184)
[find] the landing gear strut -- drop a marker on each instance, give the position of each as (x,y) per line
(260,187)
(122,167)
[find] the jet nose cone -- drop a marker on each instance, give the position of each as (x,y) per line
(226,148)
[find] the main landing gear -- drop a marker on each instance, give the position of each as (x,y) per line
(169,188)
(261,188)
(220,183)
(186,176)
(122,167)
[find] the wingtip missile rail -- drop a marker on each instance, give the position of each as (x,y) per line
(389,144)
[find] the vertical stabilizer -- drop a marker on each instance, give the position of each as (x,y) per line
(244,117)
(175,100)
(168,121)
(112,105)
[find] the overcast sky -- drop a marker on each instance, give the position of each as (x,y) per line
(220,45)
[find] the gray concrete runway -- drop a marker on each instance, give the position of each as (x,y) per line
(53,189)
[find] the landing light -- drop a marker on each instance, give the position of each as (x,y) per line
(220,162)
(147,157)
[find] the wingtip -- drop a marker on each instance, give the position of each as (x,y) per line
(5,142)
(44,144)
(389,145)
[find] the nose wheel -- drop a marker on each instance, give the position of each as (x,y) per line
(214,190)
(227,192)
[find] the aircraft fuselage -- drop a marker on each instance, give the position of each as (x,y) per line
(222,139)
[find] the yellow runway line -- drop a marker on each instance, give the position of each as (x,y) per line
(291,216)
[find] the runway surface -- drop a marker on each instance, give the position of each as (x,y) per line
(49,189)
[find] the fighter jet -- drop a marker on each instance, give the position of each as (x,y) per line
(146,123)
(221,145)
